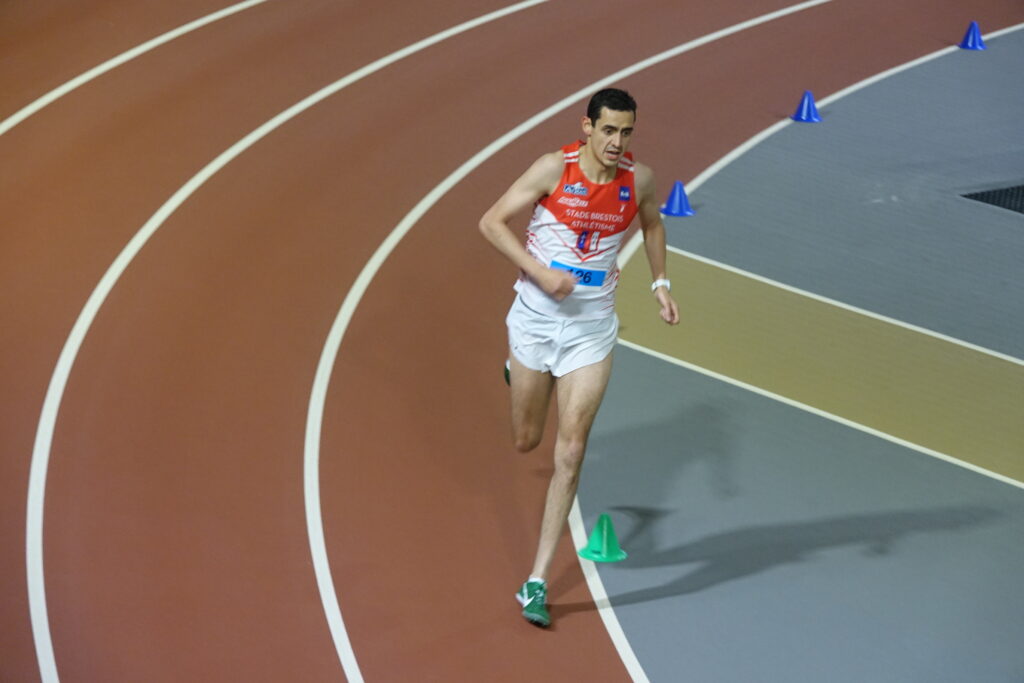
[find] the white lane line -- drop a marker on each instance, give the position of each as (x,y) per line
(600,595)
(362,282)
(846,307)
(821,413)
(44,435)
(58,381)
(635,243)
(83,78)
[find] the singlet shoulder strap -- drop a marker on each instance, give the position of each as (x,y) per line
(571,152)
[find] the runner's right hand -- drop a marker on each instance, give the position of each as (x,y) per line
(558,283)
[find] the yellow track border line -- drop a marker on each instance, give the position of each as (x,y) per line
(968,413)
(820,413)
(848,307)
(931,393)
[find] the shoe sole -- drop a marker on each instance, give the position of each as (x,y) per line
(536,621)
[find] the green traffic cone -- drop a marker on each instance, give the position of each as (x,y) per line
(603,545)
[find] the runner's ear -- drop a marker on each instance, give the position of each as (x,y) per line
(588,126)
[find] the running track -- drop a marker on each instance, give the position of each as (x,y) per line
(175,536)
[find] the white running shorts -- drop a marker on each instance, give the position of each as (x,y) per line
(557,345)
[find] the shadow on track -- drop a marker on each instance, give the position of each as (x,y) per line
(733,555)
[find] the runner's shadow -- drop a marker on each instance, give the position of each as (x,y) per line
(693,436)
(733,555)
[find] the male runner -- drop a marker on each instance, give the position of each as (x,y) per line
(562,324)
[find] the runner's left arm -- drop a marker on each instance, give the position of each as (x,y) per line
(654,241)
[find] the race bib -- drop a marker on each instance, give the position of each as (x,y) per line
(584,277)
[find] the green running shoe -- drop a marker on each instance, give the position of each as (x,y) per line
(533,596)
(508,368)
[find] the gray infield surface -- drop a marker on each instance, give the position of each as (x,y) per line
(866,207)
(767,543)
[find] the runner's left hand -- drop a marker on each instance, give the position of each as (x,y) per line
(669,309)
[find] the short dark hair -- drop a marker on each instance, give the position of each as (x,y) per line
(614,99)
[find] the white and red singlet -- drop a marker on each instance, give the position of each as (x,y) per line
(579,228)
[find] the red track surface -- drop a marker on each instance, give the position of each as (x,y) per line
(175,538)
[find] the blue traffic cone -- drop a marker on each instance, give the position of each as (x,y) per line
(677,203)
(972,39)
(807,112)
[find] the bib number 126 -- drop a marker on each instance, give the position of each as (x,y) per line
(584,277)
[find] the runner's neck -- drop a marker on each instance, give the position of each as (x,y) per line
(593,170)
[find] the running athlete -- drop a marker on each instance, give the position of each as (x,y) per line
(562,325)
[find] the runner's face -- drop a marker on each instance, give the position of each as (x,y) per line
(609,136)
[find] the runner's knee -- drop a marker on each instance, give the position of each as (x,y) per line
(569,458)
(526,439)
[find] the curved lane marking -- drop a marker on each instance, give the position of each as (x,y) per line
(845,306)
(634,244)
(58,381)
(83,78)
(707,174)
(819,412)
(362,283)
(630,249)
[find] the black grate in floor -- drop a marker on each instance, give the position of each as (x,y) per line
(1008,197)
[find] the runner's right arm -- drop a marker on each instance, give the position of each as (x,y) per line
(539,180)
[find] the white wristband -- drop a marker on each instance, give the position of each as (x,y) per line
(662,282)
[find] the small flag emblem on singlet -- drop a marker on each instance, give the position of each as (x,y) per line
(587,240)
(624,194)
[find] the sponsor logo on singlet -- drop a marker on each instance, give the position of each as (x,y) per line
(578,189)
(573,201)
(624,194)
